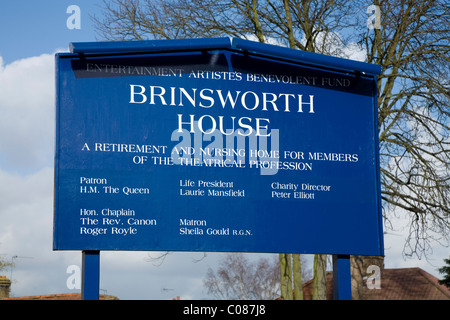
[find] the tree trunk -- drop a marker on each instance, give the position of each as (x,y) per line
(320,277)
(297,271)
(286,276)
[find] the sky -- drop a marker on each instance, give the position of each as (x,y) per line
(31,32)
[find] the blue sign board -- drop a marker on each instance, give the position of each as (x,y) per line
(215,145)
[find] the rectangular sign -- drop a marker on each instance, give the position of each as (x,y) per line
(217,149)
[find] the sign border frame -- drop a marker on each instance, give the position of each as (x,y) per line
(304,58)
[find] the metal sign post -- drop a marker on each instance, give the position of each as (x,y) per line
(342,288)
(90,279)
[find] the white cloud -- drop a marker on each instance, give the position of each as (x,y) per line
(27,107)
(328,43)
(331,43)
(26,206)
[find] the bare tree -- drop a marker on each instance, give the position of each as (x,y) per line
(411,45)
(5,264)
(320,277)
(239,278)
(286,276)
(297,24)
(292,275)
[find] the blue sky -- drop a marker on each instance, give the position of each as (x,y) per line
(30,33)
(30,28)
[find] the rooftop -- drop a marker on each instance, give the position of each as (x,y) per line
(63,296)
(396,284)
